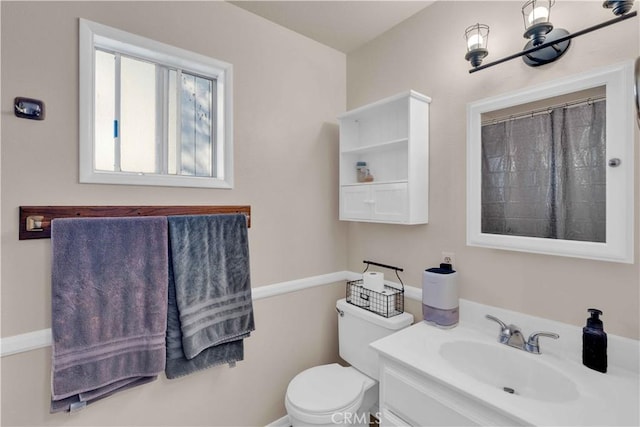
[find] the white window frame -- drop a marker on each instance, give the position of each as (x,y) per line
(94,35)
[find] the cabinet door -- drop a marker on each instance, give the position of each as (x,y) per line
(411,402)
(389,419)
(391,202)
(355,202)
(408,397)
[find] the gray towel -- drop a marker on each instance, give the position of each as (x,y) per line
(210,307)
(109,306)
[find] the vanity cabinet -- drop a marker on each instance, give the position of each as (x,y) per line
(411,398)
(463,376)
(392,137)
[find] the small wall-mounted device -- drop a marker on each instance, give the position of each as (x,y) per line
(28,108)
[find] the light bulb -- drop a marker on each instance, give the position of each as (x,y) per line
(539,14)
(475,42)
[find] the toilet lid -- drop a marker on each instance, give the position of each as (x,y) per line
(325,389)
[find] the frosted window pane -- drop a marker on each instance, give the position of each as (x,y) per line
(104,111)
(188,112)
(196,121)
(138,116)
(203,127)
(172,167)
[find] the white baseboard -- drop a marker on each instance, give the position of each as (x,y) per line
(38,339)
(282,422)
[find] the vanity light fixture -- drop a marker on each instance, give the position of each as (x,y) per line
(546,43)
(477,37)
(539,29)
(536,15)
(620,7)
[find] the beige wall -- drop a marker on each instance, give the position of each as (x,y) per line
(288,92)
(426,53)
(251,394)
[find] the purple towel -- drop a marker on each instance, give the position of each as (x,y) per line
(109,306)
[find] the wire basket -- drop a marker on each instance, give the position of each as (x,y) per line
(388,303)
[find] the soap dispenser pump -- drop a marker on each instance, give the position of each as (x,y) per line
(594,343)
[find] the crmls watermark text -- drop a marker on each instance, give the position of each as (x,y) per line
(353,418)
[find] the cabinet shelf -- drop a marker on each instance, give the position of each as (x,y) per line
(387,145)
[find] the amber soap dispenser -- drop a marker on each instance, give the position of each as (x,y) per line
(594,342)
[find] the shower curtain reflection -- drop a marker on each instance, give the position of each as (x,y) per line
(544,175)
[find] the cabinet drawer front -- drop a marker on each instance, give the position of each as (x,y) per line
(391,202)
(414,403)
(390,419)
(422,401)
(355,202)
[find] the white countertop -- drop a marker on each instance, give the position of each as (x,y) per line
(602,399)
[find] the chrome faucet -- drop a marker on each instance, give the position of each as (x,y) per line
(512,336)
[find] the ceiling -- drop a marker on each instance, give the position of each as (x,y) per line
(342,25)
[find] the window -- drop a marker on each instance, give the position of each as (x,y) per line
(152,114)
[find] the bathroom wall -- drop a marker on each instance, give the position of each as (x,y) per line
(426,53)
(288,91)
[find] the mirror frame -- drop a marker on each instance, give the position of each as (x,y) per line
(618,80)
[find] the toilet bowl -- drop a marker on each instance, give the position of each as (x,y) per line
(334,395)
(330,395)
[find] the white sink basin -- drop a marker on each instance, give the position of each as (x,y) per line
(510,369)
(549,389)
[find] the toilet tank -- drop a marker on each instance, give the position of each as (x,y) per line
(357,328)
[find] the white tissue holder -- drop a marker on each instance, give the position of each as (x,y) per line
(388,303)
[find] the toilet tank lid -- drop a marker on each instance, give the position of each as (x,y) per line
(393,323)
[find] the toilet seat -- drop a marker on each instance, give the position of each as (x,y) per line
(318,393)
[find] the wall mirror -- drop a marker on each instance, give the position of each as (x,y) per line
(550,167)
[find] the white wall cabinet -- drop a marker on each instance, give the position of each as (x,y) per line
(392,137)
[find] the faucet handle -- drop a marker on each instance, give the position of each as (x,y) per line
(533,346)
(503,325)
(505,331)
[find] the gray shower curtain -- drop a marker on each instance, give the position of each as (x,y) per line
(543,175)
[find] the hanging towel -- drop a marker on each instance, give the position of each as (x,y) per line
(109,306)
(210,308)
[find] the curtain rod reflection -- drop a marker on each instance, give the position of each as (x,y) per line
(545,110)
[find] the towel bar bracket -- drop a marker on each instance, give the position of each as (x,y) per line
(35,221)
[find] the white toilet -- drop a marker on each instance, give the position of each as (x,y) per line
(333,395)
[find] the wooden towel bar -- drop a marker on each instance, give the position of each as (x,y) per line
(35,221)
